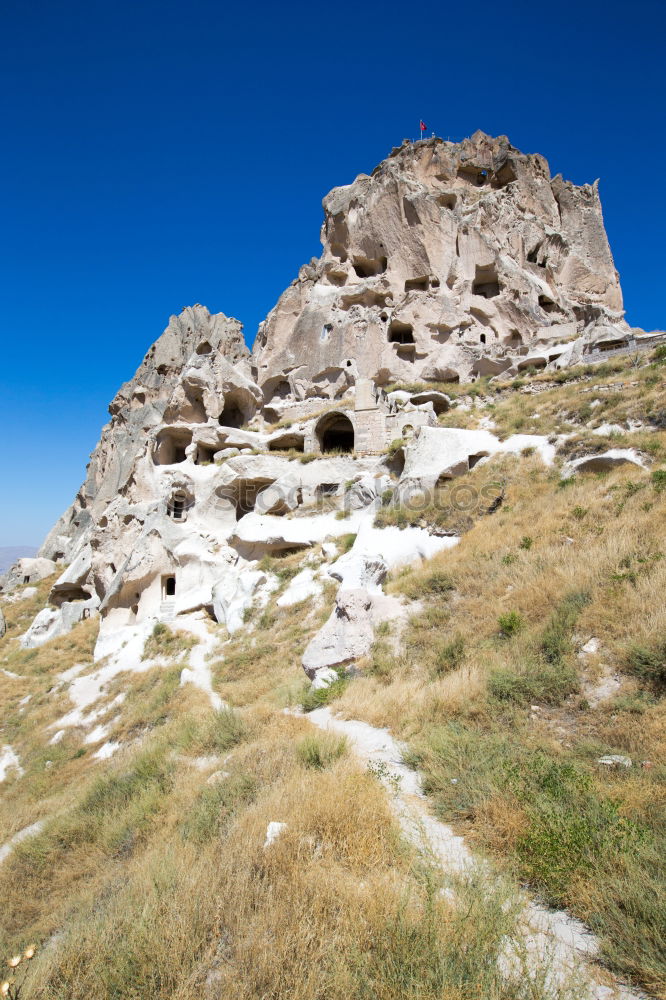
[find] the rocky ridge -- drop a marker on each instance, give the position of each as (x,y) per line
(450,261)
(240,497)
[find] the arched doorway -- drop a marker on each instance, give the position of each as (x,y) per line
(335,432)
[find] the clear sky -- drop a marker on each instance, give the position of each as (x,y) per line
(160,154)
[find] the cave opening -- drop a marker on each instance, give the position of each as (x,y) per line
(400,333)
(335,432)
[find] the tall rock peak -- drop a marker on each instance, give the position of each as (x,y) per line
(448,255)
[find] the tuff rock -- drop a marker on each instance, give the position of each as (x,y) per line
(449,261)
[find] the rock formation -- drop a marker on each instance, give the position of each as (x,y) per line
(449,261)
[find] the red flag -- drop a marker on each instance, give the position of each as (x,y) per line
(423,126)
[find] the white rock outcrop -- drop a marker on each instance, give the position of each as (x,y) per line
(450,261)
(603,462)
(346,636)
(438,454)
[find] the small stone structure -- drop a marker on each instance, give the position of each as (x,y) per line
(371,426)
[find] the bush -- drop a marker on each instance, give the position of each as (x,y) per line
(322,696)
(320,750)
(648,664)
(510,624)
(116,791)
(566,830)
(536,682)
(346,541)
(659,480)
(266,620)
(556,638)
(164,642)
(449,656)
(570,827)
(224,729)
(438,582)
(526,542)
(216,805)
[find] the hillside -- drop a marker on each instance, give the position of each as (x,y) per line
(343,673)
(520,658)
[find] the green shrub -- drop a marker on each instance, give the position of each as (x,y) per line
(164,642)
(222,730)
(116,791)
(346,541)
(438,582)
(510,624)
(322,696)
(648,664)
(534,682)
(266,620)
(449,656)
(659,480)
(556,638)
(636,702)
(320,750)
(526,542)
(383,661)
(286,573)
(570,828)
(216,805)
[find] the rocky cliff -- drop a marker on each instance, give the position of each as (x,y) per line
(450,261)
(171,819)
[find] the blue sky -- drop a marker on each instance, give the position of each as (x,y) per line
(160,154)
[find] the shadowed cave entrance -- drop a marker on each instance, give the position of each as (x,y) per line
(335,432)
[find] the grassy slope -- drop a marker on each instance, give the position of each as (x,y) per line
(148,881)
(495,702)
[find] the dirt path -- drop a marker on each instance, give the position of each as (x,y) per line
(550,938)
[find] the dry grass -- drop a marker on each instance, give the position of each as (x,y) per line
(150,881)
(160,886)
(568,563)
(163,641)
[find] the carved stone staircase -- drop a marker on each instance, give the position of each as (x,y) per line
(167,611)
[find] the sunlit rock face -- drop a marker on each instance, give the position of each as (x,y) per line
(449,259)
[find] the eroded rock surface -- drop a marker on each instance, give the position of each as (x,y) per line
(449,261)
